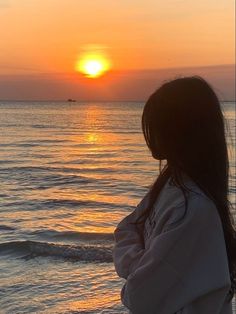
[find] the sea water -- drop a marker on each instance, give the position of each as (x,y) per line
(69,173)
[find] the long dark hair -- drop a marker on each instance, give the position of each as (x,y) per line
(183,123)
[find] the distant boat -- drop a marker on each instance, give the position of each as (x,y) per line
(71,100)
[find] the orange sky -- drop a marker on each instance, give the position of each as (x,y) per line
(46,36)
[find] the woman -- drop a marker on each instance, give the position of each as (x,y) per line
(177,249)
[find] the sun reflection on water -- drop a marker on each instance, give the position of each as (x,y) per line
(92,138)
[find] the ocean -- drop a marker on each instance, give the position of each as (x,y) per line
(69,172)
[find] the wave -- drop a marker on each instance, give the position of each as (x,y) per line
(42,170)
(31,249)
(73,235)
(54,204)
(6,228)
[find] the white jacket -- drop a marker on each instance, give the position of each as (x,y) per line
(183,267)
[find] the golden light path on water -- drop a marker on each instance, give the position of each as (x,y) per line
(91,158)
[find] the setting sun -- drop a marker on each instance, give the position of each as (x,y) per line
(92,65)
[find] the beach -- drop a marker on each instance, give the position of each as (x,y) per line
(69,172)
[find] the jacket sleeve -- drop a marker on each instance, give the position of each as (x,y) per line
(128,246)
(183,262)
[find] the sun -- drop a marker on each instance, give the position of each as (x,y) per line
(92,65)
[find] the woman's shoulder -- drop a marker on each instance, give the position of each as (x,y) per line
(171,203)
(193,191)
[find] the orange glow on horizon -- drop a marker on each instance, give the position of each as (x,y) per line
(160,35)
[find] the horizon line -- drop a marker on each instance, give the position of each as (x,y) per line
(79,101)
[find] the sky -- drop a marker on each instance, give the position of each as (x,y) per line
(146,42)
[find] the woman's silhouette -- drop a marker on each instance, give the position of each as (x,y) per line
(177,249)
